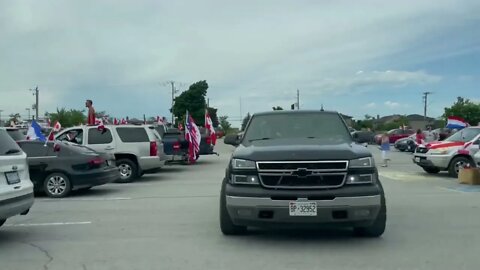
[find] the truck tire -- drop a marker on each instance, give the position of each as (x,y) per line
(378,226)
(458,163)
(226,224)
(431,170)
(2,221)
(128,170)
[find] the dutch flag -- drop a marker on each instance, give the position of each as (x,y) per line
(35,132)
(455,122)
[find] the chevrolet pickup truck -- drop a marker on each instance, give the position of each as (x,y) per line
(452,154)
(310,172)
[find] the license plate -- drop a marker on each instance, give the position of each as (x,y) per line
(303,209)
(417,159)
(12,178)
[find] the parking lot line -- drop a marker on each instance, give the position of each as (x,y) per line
(49,224)
(86,199)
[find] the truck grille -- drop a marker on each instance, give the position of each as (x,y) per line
(422,150)
(302,174)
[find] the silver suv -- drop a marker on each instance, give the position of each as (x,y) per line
(16,189)
(137,149)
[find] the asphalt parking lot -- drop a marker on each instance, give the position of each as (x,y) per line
(169,220)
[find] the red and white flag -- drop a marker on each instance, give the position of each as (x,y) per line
(115,121)
(210,128)
(57,127)
(193,136)
(124,122)
(160,120)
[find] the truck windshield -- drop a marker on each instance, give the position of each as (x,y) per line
(324,126)
(464,135)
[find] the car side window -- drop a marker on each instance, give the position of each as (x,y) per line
(73,136)
(96,136)
(132,135)
(34,149)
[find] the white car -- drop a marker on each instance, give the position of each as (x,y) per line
(16,189)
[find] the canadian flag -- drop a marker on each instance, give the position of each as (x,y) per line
(124,122)
(115,121)
(100,124)
(210,128)
(57,127)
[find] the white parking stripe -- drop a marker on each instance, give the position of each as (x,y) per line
(85,199)
(49,224)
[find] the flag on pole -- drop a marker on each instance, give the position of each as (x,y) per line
(455,122)
(124,122)
(210,128)
(35,132)
(115,121)
(192,135)
(57,127)
(100,124)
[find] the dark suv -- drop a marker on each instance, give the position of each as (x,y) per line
(300,168)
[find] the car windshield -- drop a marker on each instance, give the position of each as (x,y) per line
(324,126)
(464,135)
(15,134)
(7,144)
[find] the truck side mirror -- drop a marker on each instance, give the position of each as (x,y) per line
(232,140)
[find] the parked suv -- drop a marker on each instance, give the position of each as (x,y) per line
(307,173)
(137,149)
(16,189)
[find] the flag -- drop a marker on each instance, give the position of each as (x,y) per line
(455,122)
(210,128)
(192,135)
(115,121)
(124,122)
(35,132)
(100,124)
(180,126)
(160,121)
(105,119)
(57,127)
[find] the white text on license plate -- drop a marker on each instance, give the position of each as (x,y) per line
(12,178)
(303,208)
(417,159)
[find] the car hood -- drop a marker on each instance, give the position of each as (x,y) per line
(299,149)
(437,145)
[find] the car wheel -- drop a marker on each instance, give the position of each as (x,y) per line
(431,170)
(57,185)
(226,224)
(2,221)
(457,164)
(378,226)
(128,170)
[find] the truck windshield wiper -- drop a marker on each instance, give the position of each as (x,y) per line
(11,151)
(260,139)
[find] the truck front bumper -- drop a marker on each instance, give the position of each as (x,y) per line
(273,210)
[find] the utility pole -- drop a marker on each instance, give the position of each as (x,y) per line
(35,93)
(1,118)
(425,100)
(298,99)
(241,108)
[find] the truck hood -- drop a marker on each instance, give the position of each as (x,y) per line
(299,149)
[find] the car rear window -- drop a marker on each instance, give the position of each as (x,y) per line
(132,135)
(34,149)
(15,134)
(8,145)
(96,136)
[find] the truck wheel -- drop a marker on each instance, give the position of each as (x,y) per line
(378,226)
(431,170)
(457,164)
(2,221)
(128,170)
(57,185)
(226,224)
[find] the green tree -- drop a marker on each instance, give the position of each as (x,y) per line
(468,110)
(224,124)
(192,100)
(277,108)
(213,115)
(68,118)
(14,117)
(245,121)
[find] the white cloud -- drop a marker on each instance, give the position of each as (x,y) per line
(392,104)
(371,105)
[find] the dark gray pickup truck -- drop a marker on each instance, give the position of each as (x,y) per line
(300,169)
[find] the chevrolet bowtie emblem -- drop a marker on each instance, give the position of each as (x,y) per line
(302,173)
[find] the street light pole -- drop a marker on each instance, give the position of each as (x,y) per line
(35,93)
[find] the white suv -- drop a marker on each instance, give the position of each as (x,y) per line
(137,149)
(16,189)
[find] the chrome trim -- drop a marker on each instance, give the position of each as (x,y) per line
(235,201)
(296,161)
(300,179)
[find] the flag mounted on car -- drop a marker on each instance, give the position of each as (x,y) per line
(209,126)
(193,137)
(455,122)
(35,132)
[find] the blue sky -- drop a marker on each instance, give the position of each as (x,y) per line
(362,58)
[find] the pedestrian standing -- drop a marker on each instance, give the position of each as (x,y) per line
(419,137)
(385,147)
(91,112)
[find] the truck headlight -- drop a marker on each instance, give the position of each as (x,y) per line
(366,162)
(244,179)
(359,179)
(243,164)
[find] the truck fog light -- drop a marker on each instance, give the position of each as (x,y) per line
(362,213)
(244,212)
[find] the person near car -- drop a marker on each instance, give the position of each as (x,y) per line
(91,112)
(385,147)
(419,137)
